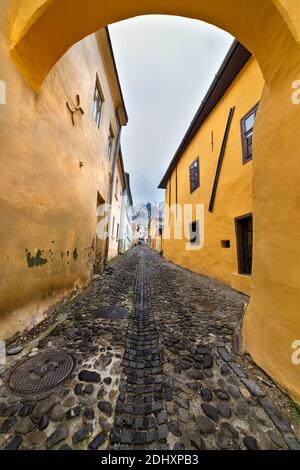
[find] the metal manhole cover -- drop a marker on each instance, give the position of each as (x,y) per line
(41,373)
(110,312)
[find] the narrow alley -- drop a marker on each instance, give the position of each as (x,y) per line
(141,360)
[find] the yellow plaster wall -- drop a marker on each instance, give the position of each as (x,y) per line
(36,44)
(241,283)
(47,201)
(234,193)
(290,10)
(270,30)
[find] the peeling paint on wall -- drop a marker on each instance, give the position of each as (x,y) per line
(35,261)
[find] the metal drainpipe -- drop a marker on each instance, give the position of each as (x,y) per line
(111,187)
(121,240)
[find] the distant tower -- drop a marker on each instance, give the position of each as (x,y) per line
(149,209)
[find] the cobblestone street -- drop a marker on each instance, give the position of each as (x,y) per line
(157,371)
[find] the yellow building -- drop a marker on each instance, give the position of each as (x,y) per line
(55,170)
(213,167)
(33,39)
(116,208)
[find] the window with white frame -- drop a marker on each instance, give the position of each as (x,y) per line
(97,103)
(247,130)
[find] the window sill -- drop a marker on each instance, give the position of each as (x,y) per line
(245,161)
(194,190)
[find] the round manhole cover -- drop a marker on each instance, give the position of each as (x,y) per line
(41,373)
(110,313)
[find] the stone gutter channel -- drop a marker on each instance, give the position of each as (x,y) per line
(141,418)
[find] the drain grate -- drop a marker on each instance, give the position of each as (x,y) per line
(110,312)
(41,373)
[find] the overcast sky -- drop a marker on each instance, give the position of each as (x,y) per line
(166,65)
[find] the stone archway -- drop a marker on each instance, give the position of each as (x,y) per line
(44,30)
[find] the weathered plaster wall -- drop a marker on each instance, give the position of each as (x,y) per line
(36,27)
(116,212)
(47,202)
(290,10)
(234,193)
(270,30)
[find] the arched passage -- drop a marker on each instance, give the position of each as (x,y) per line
(45,29)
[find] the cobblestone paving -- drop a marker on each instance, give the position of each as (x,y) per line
(141,418)
(163,377)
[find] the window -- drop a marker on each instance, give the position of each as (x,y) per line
(247,127)
(225,244)
(97,103)
(194,176)
(244,234)
(110,142)
(118,229)
(194,233)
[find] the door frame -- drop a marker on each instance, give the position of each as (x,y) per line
(238,244)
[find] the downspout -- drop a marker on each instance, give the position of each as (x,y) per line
(121,247)
(111,188)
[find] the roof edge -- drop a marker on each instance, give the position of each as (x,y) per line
(235,60)
(127,177)
(116,71)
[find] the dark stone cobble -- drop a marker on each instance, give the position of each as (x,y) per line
(163,377)
(69,417)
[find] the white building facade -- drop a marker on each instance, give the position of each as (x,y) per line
(127,212)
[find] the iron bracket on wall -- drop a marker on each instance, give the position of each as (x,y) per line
(74,108)
(221,158)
